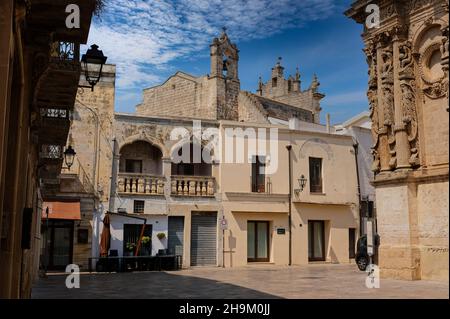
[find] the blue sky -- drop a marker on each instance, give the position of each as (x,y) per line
(152,39)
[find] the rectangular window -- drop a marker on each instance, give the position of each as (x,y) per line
(258,174)
(83,236)
(315,175)
(138,206)
(133,166)
(274,82)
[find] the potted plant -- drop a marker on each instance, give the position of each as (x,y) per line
(146,243)
(130,247)
(161,236)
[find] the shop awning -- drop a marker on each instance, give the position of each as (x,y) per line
(61,210)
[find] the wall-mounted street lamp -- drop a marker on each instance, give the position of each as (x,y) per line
(69,156)
(301,183)
(93,62)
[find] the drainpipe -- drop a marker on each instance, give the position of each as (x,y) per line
(289,148)
(95,169)
(114,171)
(355,148)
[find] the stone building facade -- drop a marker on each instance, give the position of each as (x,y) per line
(184,204)
(408,95)
(39,75)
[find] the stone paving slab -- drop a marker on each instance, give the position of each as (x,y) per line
(256,281)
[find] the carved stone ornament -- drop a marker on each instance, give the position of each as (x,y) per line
(372,96)
(387,89)
(432,72)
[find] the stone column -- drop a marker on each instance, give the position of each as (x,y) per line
(403,152)
(167,172)
(383,148)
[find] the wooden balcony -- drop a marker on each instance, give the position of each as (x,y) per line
(141,184)
(193,186)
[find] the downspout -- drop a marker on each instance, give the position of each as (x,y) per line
(289,148)
(114,171)
(95,169)
(355,148)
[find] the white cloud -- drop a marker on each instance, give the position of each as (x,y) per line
(141,36)
(346,98)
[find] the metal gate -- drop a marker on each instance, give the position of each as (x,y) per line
(204,239)
(176,235)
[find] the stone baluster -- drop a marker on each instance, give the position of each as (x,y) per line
(198,190)
(160,188)
(147,186)
(206,190)
(140,185)
(180,187)
(153,183)
(121,185)
(185,188)
(128,185)
(173,189)
(191,188)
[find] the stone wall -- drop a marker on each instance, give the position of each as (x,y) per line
(91,130)
(182,95)
(250,110)
(82,251)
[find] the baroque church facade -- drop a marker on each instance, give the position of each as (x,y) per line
(408,96)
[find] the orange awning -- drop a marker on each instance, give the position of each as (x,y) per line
(61,210)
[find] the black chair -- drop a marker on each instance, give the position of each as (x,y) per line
(162,252)
(113,253)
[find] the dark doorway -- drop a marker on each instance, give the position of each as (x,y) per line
(351,242)
(131,233)
(58,253)
(258,241)
(176,235)
(316,240)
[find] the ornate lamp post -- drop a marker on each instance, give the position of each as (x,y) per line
(93,62)
(301,183)
(69,156)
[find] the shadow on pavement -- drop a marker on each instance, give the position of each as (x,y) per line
(145,285)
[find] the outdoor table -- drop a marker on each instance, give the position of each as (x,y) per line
(132,263)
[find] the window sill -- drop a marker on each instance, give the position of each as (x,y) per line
(320,194)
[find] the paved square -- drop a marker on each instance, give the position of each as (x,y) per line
(258,281)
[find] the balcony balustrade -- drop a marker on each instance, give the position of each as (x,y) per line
(263,186)
(196,186)
(136,183)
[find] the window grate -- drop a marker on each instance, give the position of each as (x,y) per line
(139,206)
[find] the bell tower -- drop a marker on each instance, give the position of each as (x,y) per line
(224,79)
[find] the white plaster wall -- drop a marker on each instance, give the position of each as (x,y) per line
(159,225)
(153,205)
